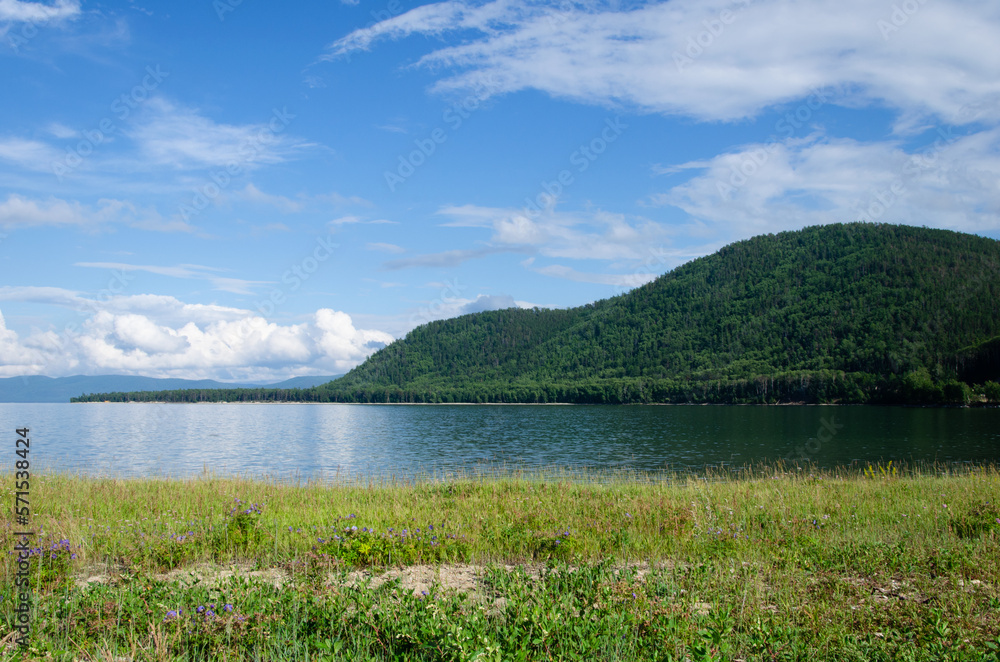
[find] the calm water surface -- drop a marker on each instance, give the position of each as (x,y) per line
(304,440)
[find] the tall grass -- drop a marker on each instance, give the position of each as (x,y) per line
(770,562)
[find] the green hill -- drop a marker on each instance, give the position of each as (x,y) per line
(834,313)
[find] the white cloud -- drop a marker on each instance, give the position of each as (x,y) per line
(164,309)
(385,248)
(627,281)
(578,235)
(353,220)
(489,302)
(16,357)
(180,137)
(204,346)
(631,243)
(253,194)
(345,220)
(444,259)
(196,271)
(21,211)
(690,57)
(60,130)
(37,12)
(451,304)
(434,18)
(28,154)
(953,183)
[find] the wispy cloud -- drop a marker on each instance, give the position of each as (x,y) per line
(385,248)
(18,211)
(18,11)
(170,134)
(355,220)
(29,154)
(253,194)
(444,258)
(715,59)
(189,271)
(618,280)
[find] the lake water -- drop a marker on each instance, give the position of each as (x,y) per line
(322,441)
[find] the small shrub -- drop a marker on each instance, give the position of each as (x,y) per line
(241,531)
(50,566)
(365,546)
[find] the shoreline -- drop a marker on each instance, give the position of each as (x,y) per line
(535,404)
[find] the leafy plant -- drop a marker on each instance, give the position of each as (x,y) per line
(241,531)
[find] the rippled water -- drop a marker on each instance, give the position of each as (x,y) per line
(307,440)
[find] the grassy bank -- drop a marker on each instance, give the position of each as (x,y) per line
(773,565)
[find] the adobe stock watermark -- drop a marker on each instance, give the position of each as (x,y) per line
(754,160)
(899,17)
(441,306)
(223,7)
(828,428)
(453,117)
(122,107)
(248,152)
(714,28)
(581,159)
(297,274)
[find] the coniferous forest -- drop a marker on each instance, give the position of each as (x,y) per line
(845,313)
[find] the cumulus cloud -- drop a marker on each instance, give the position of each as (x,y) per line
(212,343)
(16,357)
(714,59)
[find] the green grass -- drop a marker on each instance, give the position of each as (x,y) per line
(877,564)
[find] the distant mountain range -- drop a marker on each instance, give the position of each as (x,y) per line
(61,389)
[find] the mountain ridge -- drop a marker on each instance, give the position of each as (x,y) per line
(858,312)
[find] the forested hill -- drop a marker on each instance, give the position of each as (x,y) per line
(835,313)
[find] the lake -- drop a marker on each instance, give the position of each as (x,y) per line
(322,441)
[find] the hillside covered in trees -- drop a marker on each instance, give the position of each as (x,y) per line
(862,313)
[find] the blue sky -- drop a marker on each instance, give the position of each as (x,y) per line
(247,190)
